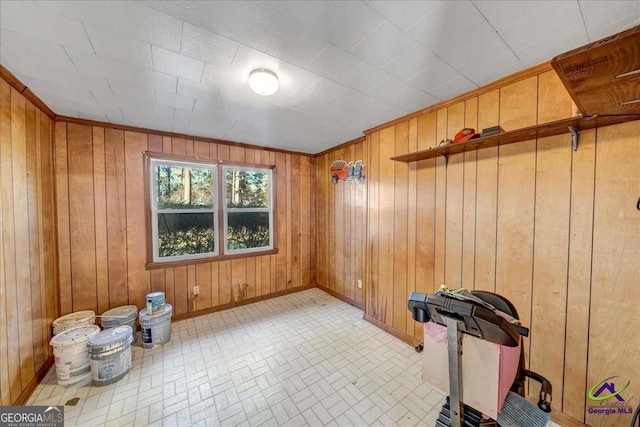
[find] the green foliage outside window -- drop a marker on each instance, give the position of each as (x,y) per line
(181,190)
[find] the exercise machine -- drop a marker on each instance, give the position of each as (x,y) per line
(483,315)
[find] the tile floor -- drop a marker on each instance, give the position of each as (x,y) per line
(302,359)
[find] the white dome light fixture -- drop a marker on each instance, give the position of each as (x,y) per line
(263,82)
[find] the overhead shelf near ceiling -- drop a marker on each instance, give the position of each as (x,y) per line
(565,126)
(603,78)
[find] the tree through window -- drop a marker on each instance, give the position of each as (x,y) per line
(185,222)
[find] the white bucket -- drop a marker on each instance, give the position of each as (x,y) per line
(70,354)
(120,316)
(110,353)
(71,320)
(156,328)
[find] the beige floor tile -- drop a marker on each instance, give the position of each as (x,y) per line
(302,359)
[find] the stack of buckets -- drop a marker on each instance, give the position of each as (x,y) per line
(120,316)
(70,352)
(155,321)
(81,351)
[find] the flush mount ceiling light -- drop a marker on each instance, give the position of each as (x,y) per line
(263,82)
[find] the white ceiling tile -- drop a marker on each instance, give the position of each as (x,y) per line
(71,93)
(414,100)
(411,62)
(204,14)
(197,90)
(334,63)
(27,18)
(140,22)
(326,90)
(147,78)
(605,18)
(477,43)
(339,25)
(69,81)
(553,19)
(452,88)
(365,77)
(89,12)
(383,44)
(25,52)
(486,69)
(172,100)
(298,50)
(552,44)
(249,23)
(169,62)
(317,107)
(447,19)
(207,46)
(123,91)
(143,111)
(101,66)
(390,88)
(404,13)
(114,45)
(80,108)
(263,114)
(434,77)
(503,13)
(296,17)
(612,28)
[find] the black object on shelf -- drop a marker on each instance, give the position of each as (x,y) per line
(493,130)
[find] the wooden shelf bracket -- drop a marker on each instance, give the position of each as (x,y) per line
(575,137)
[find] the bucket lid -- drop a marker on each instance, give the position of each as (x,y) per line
(165,311)
(110,337)
(74,335)
(72,318)
(124,312)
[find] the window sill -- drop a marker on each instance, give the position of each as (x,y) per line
(193,261)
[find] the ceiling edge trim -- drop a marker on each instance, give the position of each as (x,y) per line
(497,84)
(127,128)
(25,91)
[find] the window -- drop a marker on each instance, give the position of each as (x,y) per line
(199,210)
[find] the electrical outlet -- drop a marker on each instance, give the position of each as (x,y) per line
(359,284)
(196,290)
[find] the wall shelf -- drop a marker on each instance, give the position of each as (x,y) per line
(570,126)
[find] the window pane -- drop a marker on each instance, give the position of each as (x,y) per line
(185,234)
(247,188)
(184,187)
(247,230)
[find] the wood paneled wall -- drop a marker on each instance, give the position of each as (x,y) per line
(555,231)
(102,232)
(341,228)
(28,293)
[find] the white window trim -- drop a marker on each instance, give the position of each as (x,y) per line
(155,211)
(269,209)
